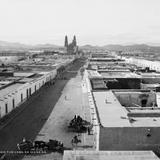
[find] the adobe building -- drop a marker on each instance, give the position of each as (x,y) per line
(17,86)
(128,126)
(125,115)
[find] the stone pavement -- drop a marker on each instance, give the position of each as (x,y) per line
(67,106)
(73,100)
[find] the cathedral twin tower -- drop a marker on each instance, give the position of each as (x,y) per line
(71,47)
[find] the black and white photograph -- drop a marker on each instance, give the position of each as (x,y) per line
(79,79)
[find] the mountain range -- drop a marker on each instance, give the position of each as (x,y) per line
(152,47)
(7,46)
(117,47)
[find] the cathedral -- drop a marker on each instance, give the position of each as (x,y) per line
(71,48)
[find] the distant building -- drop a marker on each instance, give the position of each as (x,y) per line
(7,57)
(74,41)
(71,48)
(66,42)
(124,104)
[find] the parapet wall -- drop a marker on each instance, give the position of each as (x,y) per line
(130,99)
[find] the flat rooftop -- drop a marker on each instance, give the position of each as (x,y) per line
(113,70)
(112,114)
(111,74)
(146,122)
(37,75)
(150,74)
(23,74)
(105,59)
(109,155)
(5,82)
(25,80)
(110,110)
(43,73)
(92,74)
(9,89)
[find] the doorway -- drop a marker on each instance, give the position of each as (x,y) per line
(6,108)
(13,103)
(21,97)
(144,102)
(27,93)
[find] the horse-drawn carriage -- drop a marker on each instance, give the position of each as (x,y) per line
(55,146)
(25,146)
(51,146)
(78,124)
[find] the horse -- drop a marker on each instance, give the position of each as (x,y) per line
(40,145)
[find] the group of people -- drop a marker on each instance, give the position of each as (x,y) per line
(77,119)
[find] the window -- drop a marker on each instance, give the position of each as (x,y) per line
(21,97)
(13,103)
(27,93)
(6,108)
(30,92)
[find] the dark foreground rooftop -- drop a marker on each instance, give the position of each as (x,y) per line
(109,155)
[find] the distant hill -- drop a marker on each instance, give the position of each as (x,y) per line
(116,47)
(151,47)
(45,46)
(89,47)
(7,46)
(140,47)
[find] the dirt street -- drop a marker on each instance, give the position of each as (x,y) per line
(35,114)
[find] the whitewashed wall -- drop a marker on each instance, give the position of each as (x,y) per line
(155,65)
(16,94)
(8,59)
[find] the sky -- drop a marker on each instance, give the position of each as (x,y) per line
(95,22)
